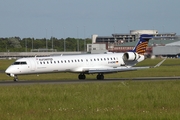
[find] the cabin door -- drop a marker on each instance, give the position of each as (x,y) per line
(33,64)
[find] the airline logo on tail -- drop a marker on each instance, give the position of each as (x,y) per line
(141,46)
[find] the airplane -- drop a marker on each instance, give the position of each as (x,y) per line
(99,64)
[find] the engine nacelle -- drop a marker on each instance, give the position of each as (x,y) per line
(130,56)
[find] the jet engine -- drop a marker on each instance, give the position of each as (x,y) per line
(130,56)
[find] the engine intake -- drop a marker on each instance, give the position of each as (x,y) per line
(130,56)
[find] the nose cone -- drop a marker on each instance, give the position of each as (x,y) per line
(9,70)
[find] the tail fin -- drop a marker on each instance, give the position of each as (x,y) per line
(142,44)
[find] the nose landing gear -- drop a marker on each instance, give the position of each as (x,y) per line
(15,78)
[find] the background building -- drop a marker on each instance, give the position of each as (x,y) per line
(129,37)
(169,50)
(126,42)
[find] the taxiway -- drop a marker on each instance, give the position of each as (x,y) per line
(32,82)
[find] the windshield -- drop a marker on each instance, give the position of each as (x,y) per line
(20,63)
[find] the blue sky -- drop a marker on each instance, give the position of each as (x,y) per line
(82,18)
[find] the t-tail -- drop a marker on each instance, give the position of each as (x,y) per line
(137,54)
(142,44)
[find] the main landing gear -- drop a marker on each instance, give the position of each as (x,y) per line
(100,76)
(82,76)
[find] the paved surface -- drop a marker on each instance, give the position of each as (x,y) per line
(30,82)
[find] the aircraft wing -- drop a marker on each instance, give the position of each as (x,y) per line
(113,70)
(110,70)
(121,69)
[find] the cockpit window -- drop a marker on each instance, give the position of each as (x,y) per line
(20,63)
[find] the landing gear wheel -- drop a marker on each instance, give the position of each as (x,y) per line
(15,79)
(82,76)
(100,77)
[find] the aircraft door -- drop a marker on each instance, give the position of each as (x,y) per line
(32,64)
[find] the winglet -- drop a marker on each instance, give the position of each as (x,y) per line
(146,67)
(142,44)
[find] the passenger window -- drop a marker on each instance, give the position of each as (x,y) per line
(47,62)
(61,61)
(72,60)
(81,60)
(68,61)
(58,61)
(105,59)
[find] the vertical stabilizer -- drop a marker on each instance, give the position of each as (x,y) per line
(142,44)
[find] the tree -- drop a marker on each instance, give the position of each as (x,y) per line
(14,42)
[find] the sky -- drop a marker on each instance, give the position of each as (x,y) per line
(83,18)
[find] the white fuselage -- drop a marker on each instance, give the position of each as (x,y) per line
(73,63)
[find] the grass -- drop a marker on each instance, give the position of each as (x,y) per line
(117,100)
